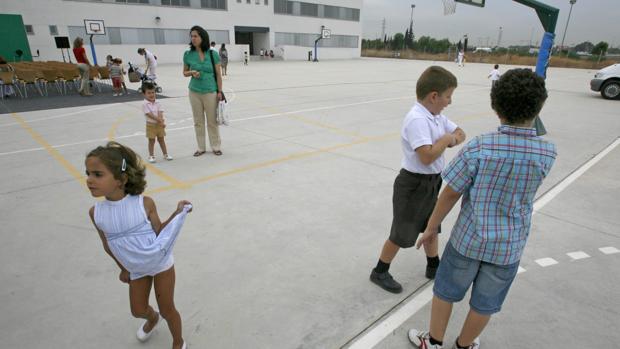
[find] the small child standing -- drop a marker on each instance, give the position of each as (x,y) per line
(494,75)
(155,122)
(246,57)
(116,74)
(425,135)
(134,236)
(497,174)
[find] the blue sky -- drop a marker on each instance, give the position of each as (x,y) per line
(592,20)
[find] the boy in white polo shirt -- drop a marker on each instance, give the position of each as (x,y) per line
(425,135)
(155,122)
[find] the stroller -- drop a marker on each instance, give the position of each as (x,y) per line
(135,75)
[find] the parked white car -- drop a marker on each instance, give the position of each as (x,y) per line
(607,81)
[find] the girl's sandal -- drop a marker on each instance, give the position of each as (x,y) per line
(199,152)
(217,152)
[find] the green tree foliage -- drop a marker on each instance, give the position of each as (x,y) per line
(600,48)
(398,42)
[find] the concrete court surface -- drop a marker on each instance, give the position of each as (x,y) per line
(290,220)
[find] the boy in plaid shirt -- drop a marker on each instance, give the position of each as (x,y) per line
(497,174)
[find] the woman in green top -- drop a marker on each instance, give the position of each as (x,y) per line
(205,90)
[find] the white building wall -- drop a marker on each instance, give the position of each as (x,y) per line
(42,13)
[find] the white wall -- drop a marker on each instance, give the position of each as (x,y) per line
(42,13)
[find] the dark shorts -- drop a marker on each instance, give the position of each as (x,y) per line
(413,202)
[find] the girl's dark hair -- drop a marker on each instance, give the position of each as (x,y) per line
(112,156)
(204,36)
(518,96)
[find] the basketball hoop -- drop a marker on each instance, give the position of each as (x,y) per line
(449,7)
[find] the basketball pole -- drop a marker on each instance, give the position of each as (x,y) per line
(548,16)
(92,49)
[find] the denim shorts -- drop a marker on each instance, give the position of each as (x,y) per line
(491,282)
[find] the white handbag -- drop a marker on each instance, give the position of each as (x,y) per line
(222,113)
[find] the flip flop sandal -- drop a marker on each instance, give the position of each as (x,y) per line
(217,152)
(199,152)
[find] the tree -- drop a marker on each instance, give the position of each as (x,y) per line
(585,46)
(600,48)
(398,41)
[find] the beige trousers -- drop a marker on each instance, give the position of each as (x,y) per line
(84,76)
(205,104)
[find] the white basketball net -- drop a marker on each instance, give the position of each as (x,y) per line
(449,7)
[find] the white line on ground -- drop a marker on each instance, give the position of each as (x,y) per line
(191,126)
(320,108)
(521,270)
(548,196)
(380,331)
(578,255)
(545,262)
(609,250)
(388,325)
(62,115)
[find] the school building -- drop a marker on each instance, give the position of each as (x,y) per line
(289,28)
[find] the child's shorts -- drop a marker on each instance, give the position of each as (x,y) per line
(413,202)
(491,282)
(117,81)
(154,130)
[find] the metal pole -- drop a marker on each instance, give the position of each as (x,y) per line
(499,37)
(572,2)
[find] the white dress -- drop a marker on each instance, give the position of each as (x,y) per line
(131,237)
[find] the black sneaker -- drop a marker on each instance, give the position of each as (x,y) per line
(386,281)
(431,271)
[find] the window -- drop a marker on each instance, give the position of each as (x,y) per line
(307,40)
(257,2)
(248,1)
(181,3)
(134,1)
(29,29)
(308,9)
(299,8)
(53,30)
(214,4)
(266,2)
(283,6)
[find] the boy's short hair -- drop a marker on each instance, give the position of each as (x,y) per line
(496,66)
(147,86)
(518,96)
(434,79)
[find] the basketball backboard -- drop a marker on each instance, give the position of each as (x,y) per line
(94,27)
(449,6)
(479,3)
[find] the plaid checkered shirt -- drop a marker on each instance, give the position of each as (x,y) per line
(498,174)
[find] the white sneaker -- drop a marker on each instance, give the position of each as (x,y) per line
(152,159)
(474,345)
(168,157)
(422,339)
(144,336)
(115,94)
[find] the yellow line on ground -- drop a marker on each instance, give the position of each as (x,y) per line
(176,183)
(326,126)
(289,158)
(53,152)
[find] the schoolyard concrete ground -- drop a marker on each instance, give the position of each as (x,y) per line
(288,223)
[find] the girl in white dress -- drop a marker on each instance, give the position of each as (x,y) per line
(134,236)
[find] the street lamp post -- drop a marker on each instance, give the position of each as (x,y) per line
(572,2)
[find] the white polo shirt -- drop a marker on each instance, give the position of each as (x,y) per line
(420,127)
